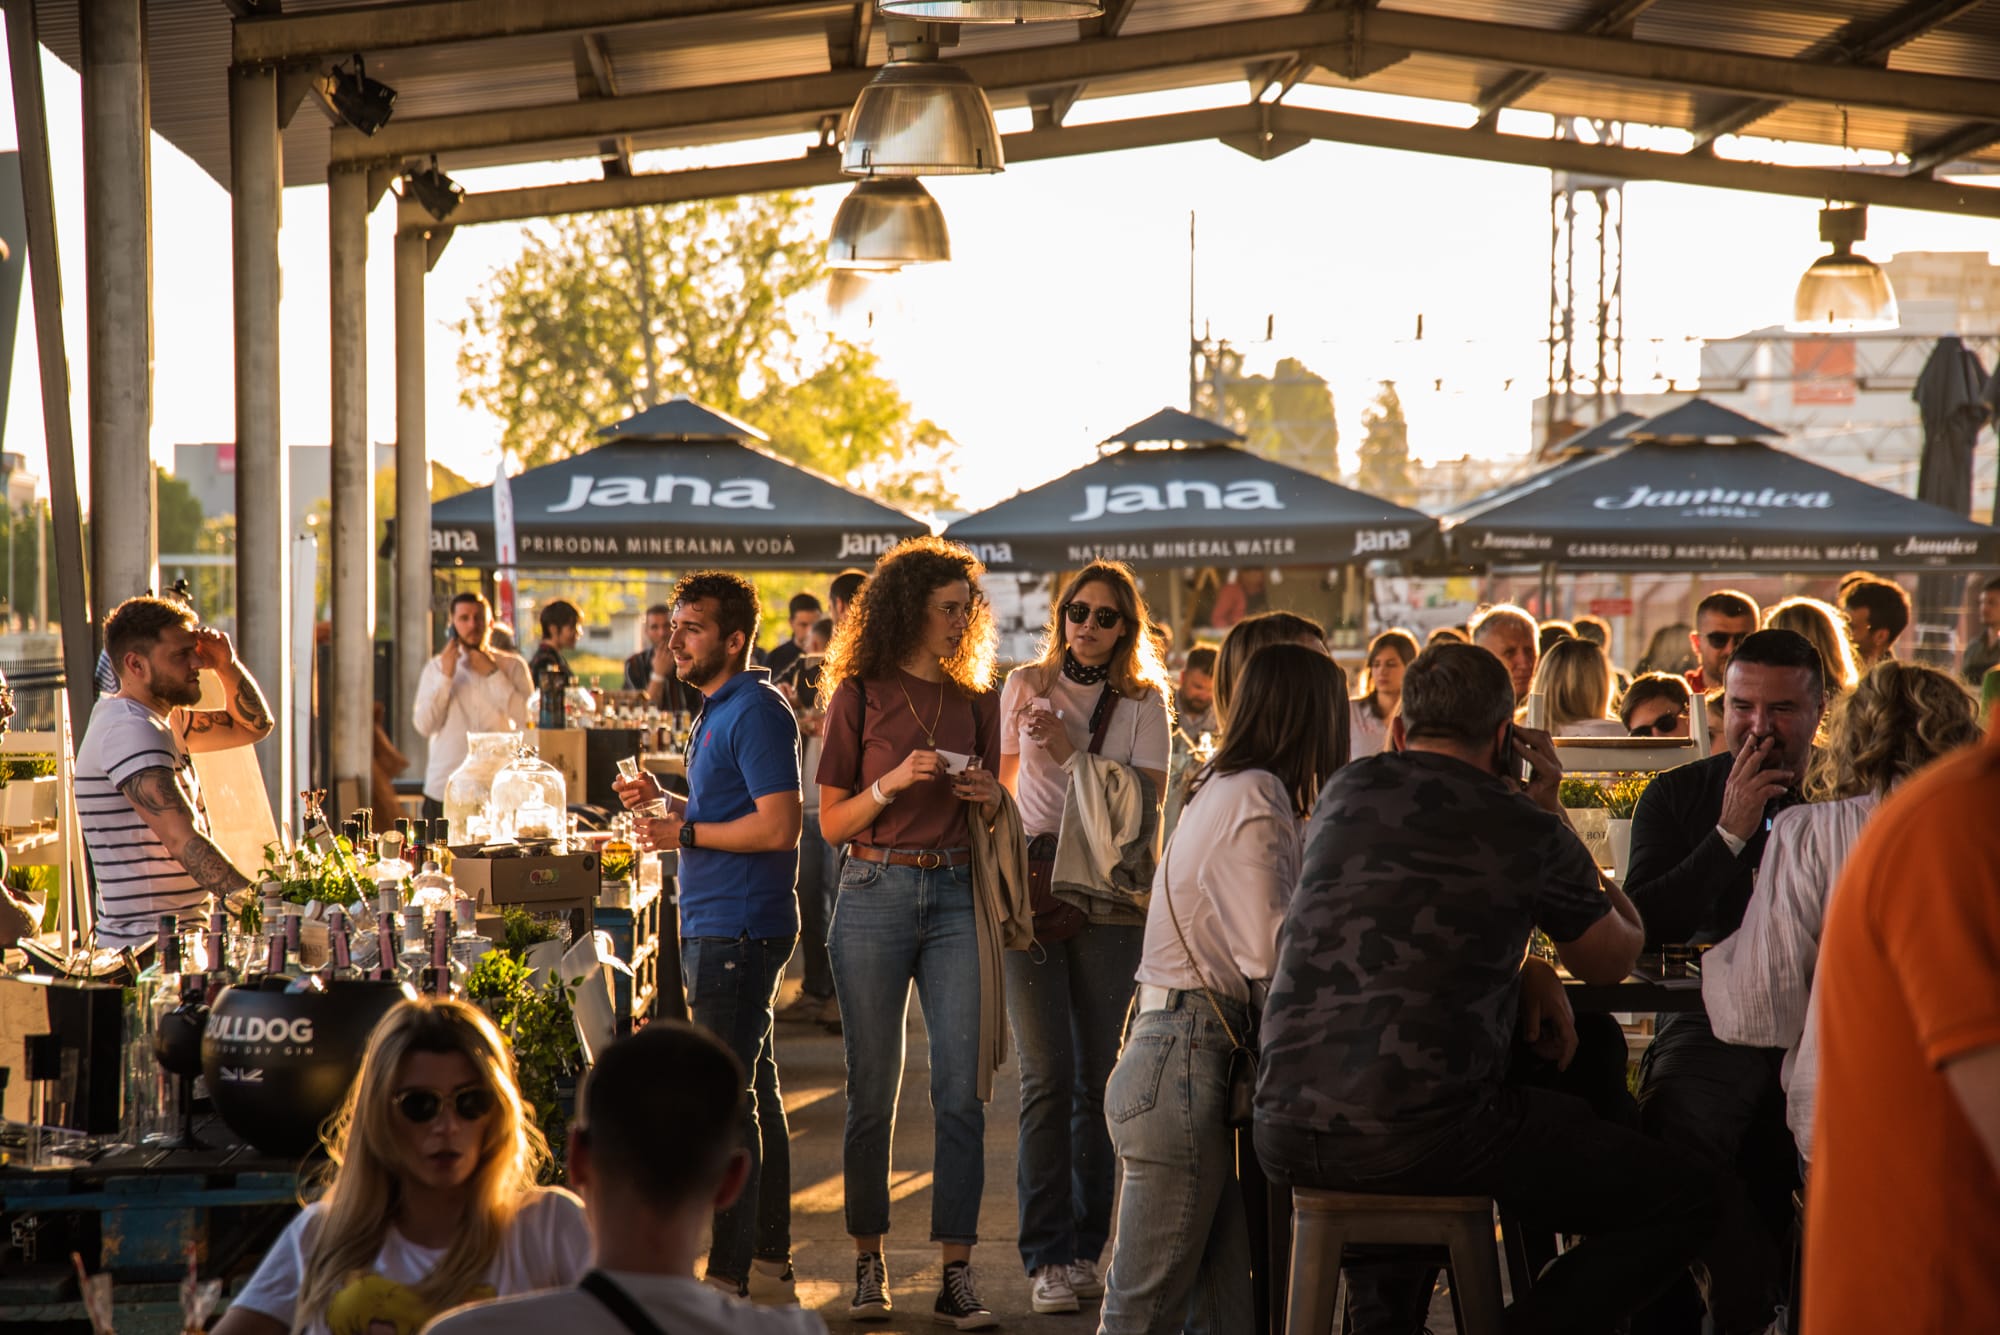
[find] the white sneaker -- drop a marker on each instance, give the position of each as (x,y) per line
(1052,1292)
(1084,1281)
(768,1290)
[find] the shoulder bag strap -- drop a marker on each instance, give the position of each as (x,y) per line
(621,1304)
(1208,992)
(1100,717)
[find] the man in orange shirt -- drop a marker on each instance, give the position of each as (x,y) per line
(1905,1193)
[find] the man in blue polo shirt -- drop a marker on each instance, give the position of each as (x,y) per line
(738,835)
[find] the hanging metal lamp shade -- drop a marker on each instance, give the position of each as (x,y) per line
(991,11)
(885,223)
(922,118)
(1844,292)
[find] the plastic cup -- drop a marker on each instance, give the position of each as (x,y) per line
(628,768)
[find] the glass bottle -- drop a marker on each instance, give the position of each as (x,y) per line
(388,932)
(443,976)
(420,838)
(389,864)
(220,972)
(415,955)
(148,1102)
(467,945)
(433,889)
(340,954)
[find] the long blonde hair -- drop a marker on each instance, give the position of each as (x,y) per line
(364,1178)
(1575,678)
(1826,629)
(1136,665)
(1899,719)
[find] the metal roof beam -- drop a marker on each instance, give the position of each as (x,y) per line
(1280,123)
(323,34)
(1948,148)
(1110,23)
(1327,36)
(1286,72)
(1860,42)
(1614,19)
(595,78)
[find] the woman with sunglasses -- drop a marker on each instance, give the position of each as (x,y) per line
(1182,1259)
(911,741)
(1381,690)
(1100,688)
(430,1198)
(1655,705)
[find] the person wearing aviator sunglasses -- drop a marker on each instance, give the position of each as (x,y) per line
(1655,705)
(430,1198)
(1091,710)
(1722,621)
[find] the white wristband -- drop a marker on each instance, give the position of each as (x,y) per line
(875,790)
(659,676)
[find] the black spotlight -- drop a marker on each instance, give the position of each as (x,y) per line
(351,96)
(438,193)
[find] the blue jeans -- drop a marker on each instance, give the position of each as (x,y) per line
(1182,1262)
(816,884)
(732,987)
(893,926)
(1068,1009)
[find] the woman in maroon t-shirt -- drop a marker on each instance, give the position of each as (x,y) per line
(912,737)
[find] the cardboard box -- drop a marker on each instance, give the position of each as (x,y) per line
(566,881)
(567,750)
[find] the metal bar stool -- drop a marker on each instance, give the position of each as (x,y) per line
(1326,1223)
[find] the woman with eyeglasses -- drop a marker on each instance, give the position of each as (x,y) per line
(1381,690)
(1655,705)
(1099,689)
(911,743)
(430,1199)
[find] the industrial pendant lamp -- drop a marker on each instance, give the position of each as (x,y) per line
(887,222)
(921,117)
(991,11)
(1843,292)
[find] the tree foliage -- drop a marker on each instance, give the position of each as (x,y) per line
(1383,467)
(604,315)
(1286,416)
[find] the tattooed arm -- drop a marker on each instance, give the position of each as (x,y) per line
(244,717)
(164,808)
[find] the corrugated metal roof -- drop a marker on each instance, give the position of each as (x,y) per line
(190,50)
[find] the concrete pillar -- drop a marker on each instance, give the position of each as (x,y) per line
(118,287)
(414,638)
(352,694)
(263,481)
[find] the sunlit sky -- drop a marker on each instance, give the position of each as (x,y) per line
(1064,314)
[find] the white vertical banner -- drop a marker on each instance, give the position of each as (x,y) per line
(305,658)
(503,546)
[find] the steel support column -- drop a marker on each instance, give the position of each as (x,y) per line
(118,292)
(352,695)
(413,495)
(263,482)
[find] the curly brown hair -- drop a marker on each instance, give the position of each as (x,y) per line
(886,624)
(1899,719)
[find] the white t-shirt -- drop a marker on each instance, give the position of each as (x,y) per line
(448,708)
(548,1247)
(1366,734)
(1137,736)
(681,1304)
(137,879)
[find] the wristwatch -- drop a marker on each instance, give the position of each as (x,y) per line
(687,835)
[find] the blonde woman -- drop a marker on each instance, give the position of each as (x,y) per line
(1827,630)
(430,1201)
(1757,983)
(1381,690)
(1574,679)
(1099,688)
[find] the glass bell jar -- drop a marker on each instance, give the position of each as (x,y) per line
(530,800)
(468,791)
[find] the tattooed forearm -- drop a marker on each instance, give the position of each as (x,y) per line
(249,705)
(211,868)
(154,790)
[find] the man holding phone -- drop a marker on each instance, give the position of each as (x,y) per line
(469,687)
(1697,837)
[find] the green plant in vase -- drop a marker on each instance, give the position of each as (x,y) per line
(1621,798)
(540,1027)
(1581,794)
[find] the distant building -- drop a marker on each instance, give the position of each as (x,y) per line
(210,472)
(19,482)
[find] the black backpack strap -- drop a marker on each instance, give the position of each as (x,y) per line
(621,1304)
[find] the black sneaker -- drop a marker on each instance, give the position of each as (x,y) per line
(958,1304)
(871,1289)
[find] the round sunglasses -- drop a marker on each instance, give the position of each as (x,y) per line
(423,1105)
(1107,618)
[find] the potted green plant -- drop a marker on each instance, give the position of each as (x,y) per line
(1583,800)
(539,1024)
(27,789)
(1621,799)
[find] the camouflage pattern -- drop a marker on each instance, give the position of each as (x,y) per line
(1399,960)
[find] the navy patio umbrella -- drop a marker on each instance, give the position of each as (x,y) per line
(1202,501)
(675,486)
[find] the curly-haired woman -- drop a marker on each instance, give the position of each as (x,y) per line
(1096,696)
(1757,983)
(912,737)
(430,1199)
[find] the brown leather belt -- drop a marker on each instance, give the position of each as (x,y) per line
(930,859)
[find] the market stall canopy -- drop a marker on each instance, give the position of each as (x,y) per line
(1206,503)
(1691,493)
(678,485)
(1605,435)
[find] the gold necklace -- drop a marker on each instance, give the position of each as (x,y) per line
(930,733)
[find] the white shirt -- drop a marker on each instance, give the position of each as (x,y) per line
(137,879)
(681,1304)
(446,710)
(547,1247)
(1757,983)
(1235,862)
(1137,736)
(1366,734)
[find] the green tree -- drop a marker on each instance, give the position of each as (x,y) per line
(1383,467)
(1286,416)
(180,517)
(604,315)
